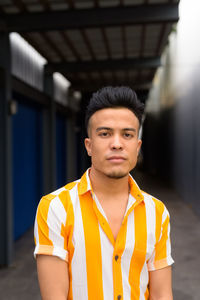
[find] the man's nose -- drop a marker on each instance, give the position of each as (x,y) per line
(116,142)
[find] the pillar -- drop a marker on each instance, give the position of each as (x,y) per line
(6,205)
(49,137)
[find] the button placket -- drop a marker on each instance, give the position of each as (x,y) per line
(117,268)
(117,272)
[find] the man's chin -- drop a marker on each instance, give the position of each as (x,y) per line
(116,175)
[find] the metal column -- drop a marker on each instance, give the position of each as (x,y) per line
(71,150)
(6,205)
(49,137)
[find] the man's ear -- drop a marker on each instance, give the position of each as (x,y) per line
(88,146)
(139,146)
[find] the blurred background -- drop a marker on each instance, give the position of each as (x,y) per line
(53,55)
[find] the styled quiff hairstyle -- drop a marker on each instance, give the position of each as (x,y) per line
(114,97)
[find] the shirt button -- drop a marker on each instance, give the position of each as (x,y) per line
(116,258)
(119,297)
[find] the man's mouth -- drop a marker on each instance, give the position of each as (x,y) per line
(116,158)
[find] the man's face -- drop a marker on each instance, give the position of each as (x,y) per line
(113,142)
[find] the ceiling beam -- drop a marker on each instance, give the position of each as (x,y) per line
(20,5)
(87,87)
(105,65)
(88,18)
(36,96)
(30,92)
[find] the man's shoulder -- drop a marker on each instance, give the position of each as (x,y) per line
(62,192)
(154,202)
(69,186)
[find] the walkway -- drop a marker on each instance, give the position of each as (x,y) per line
(19,281)
(185,236)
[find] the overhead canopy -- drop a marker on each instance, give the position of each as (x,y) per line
(95,42)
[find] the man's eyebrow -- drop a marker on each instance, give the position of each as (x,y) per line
(103,128)
(129,129)
(108,128)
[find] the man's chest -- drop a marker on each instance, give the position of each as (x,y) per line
(133,235)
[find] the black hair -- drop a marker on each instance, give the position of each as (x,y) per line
(113,97)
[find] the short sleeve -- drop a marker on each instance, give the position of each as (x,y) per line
(49,228)
(161,256)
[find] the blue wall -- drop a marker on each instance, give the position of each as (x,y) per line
(27,170)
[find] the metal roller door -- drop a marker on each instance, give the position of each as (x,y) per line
(27,170)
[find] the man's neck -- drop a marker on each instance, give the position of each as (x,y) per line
(108,186)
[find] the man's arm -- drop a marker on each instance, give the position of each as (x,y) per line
(160,284)
(53,277)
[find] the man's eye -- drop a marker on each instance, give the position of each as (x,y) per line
(103,134)
(127,135)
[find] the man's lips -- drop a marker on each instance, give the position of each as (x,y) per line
(116,158)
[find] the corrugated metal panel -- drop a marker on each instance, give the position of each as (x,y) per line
(27,63)
(95,35)
(61,86)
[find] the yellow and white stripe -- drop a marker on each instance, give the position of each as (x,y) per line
(71,224)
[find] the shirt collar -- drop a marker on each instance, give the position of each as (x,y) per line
(135,191)
(85,186)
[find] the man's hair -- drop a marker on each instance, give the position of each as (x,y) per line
(114,97)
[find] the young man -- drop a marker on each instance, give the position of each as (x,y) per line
(101,237)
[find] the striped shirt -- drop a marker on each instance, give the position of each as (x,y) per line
(71,224)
